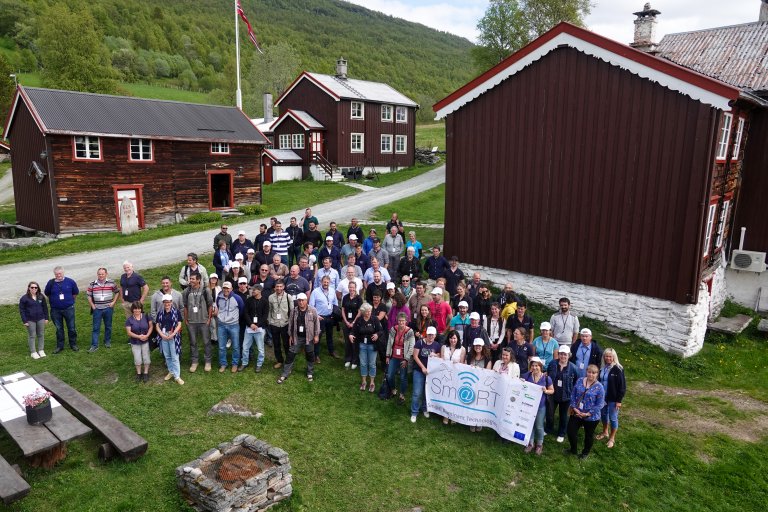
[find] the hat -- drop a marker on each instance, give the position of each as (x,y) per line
(372,230)
(431,330)
(329,237)
(353,236)
(390,285)
(478,341)
(213,276)
(239,256)
(437,290)
(234,264)
(545,326)
(242,280)
(473,315)
(251,251)
(267,242)
(301,296)
(463,304)
(226,284)
(167,297)
(586,332)
(564,349)
(312,258)
(241,232)
(536,359)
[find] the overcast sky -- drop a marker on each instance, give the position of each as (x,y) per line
(610,18)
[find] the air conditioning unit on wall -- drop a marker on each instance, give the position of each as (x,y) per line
(750,261)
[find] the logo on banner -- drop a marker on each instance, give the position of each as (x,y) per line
(466,393)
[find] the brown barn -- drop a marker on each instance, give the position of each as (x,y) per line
(337,126)
(77,155)
(602,163)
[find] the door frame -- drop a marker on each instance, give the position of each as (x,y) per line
(139,188)
(231,174)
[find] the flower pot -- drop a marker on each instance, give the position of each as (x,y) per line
(40,414)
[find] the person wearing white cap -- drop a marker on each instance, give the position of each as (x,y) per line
(545,345)
(348,249)
(250,265)
(440,310)
(479,354)
(474,331)
(564,377)
(423,349)
(585,352)
(461,320)
(264,256)
(333,232)
(156,301)
(329,250)
(240,245)
(355,229)
(168,326)
(303,335)
(234,274)
(537,376)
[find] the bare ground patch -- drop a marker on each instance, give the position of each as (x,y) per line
(730,413)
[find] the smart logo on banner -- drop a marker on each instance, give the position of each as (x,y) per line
(482,398)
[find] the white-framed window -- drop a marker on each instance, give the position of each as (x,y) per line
(386,143)
(725,136)
(356,145)
(721,225)
(386,113)
(141,150)
(297,141)
(285,141)
(220,148)
(87,148)
(739,135)
(401,143)
(358,110)
(401,114)
(710,223)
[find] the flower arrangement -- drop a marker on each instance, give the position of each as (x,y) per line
(36,399)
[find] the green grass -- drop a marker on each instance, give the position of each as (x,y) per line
(425,208)
(386,179)
(4,167)
(159,92)
(30,79)
(279,197)
(8,214)
(431,135)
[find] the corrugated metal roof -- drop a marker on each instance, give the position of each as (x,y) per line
(737,55)
(351,88)
(307,120)
(102,114)
(282,155)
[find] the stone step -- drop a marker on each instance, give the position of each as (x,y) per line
(732,325)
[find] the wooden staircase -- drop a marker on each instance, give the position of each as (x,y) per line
(331,170)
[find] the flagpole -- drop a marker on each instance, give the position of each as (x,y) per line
(239,93)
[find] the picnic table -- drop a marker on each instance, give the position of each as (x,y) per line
(43,445)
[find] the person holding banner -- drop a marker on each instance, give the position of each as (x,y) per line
(452,350)
(399,352)
(423,349)
(536,376)
(506,366)
(480,355)
(587,401)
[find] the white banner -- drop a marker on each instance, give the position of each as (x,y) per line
(482,398)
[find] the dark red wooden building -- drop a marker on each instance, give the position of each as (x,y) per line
(590,167)
(77,155)
(336,124)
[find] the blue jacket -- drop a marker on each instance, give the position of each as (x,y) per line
(32,310)
(66,287)
(569,377)
(338,238)
(436,267)
(592,399)
(217,262)
(334,253)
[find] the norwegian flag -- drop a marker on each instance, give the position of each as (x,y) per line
(251,35)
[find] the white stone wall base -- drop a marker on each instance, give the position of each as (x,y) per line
(676,328)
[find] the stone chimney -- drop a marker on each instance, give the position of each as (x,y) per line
(645,29)
(268,114)
(341,68)
(763,10)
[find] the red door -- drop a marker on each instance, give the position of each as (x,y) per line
(267,171)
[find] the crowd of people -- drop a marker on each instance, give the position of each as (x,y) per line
(384,306)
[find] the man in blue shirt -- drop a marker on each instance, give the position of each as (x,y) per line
(62,292)
(585,352)
(436,265)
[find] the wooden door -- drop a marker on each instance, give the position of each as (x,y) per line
(267,171)
(316,142)
(134,194)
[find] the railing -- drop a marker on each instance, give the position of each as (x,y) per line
(325,164)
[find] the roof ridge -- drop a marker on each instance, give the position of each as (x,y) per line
(86,93)
(345,84)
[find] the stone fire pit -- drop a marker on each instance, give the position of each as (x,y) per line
(244,475)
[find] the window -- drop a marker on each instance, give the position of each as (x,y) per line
(386,143)
(708,232)
(357,143)
(141,150)
(298,141)
(401,143)
(221,148)
(358,112)
(725,136)
(721,225)
(87,148)
(285,141)
(739,135)
(386,113)
(401,114)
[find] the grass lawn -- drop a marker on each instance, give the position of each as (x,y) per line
(279,197)
(384,180)
(425,208)
(4,166)
(159,92)
(431,135)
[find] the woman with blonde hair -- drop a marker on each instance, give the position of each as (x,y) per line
(615,385)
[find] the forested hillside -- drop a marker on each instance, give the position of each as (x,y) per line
(190,44)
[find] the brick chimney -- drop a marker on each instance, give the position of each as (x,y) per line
(645,29)
(763,10)
(341,68)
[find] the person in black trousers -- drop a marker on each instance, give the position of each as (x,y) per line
(587,401)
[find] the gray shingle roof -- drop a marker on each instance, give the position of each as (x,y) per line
(68,112)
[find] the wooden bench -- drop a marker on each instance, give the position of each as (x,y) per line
(12,486)
(128,443)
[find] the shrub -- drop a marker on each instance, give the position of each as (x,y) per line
(251,209)
(203,218)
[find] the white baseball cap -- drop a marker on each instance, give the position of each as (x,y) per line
(437,290)
(241,232)
(390,285)
(431,330)
(463,304)
(478,341)
(167,297)
(267,242)
(536,359)
(586,332)
(545,326)
(353,236)
(234,264)
(301,296)
(242,280)
(239,256)
(473,315)
(564,349)
(251,251)
(329,237)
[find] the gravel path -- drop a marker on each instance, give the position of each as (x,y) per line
(82,266)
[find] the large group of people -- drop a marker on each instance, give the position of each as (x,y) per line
(386,304)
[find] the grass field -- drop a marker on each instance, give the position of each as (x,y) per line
(426,208)
(431,135)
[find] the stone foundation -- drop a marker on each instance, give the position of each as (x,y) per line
(244,475)
(676,328)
